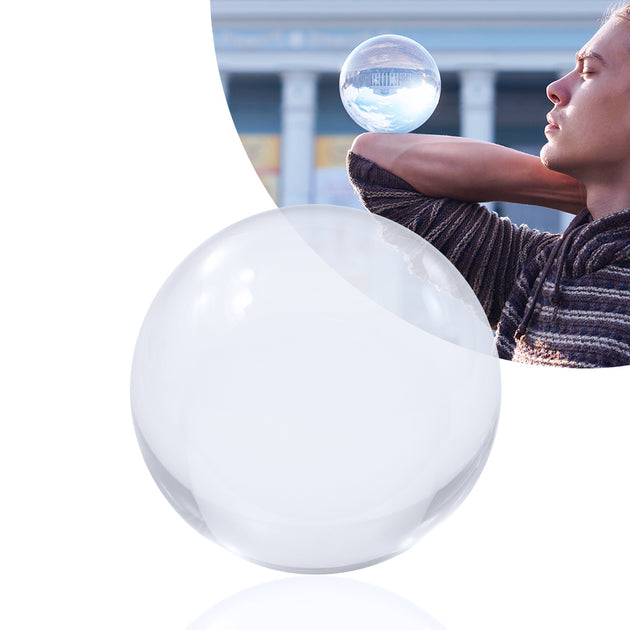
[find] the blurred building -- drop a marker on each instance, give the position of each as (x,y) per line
(280,60)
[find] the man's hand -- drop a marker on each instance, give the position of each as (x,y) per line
(471,170)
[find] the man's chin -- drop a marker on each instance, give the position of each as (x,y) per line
(545,155)
(550,159)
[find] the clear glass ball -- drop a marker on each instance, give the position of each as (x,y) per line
(390,83)
(315,387)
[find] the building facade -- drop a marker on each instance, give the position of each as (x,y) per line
(280,59)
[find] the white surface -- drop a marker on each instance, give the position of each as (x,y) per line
(118,158)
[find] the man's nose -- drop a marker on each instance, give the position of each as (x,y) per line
(557,92)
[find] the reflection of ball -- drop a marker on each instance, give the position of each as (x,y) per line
(315,603)
(314,387)
(390,83)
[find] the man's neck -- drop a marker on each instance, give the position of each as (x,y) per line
(605,200)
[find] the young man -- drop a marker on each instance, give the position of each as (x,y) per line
(560,300)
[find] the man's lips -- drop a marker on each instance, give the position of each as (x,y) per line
(552,126)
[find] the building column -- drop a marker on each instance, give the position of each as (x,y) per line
(299,103)
(477,107)
(477,104)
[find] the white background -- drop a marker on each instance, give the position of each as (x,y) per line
(118,158)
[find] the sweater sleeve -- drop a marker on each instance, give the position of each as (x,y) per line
(488,250)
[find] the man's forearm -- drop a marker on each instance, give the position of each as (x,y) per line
(470,170)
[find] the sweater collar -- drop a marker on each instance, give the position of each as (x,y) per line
(586,246)
(598,243)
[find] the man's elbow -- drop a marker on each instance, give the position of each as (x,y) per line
(364,144)
(388,150)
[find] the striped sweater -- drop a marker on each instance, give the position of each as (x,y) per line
(552,299)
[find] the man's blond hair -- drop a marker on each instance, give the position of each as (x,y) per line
(619,10)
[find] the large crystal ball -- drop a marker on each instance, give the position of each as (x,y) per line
(314,387)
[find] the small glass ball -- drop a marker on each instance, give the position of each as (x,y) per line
(390,84)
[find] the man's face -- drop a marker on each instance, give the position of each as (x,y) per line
(589,132)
